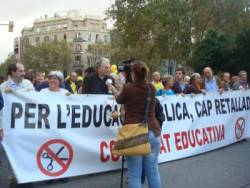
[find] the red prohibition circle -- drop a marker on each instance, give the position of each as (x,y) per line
(45,147)
(239,127)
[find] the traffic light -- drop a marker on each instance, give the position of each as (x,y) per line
(11,26)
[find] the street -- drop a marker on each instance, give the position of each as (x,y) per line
(228,167)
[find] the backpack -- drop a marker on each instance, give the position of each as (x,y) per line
(159,112)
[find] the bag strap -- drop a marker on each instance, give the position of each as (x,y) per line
(148,100)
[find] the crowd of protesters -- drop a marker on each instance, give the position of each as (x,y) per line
(197,83)
(107,79)
(94,80)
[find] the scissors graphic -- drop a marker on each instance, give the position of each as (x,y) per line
(47,156)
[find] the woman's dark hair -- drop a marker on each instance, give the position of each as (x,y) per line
(11,68)
(127,70)
(89,70)
(140,70)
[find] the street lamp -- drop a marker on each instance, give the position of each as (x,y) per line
(10,26)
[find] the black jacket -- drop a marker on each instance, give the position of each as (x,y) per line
(93,84)
(177,88)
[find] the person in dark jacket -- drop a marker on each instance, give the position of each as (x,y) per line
(96,83)
(242,83)
(72,84)
(38,81)
(179,85)
(226,85)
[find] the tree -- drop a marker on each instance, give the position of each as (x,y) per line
(49,56)
(213,51)
(4,66)
(241,53)
(146,30)
(222,54)
(97,50)
(155,30)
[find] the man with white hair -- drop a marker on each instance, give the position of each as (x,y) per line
(97,82)
(211,82)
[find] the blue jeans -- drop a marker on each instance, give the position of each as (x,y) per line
(149,163)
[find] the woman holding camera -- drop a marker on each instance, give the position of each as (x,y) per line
(133,96)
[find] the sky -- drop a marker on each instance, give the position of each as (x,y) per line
(24,12)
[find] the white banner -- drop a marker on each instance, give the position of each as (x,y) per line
(49,135)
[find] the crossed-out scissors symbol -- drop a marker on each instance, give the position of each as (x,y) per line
(47,156)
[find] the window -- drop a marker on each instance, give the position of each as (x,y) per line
(37,40)
(97,38)
(78,60)
(16,49)
(103,26)
(46,39)
(89,39)
(78,35)
(78,48)
(105,38)
(64,37)
(27,42)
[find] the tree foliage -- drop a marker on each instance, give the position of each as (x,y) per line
(97,50)
(49,56)
(213,51)
(241,53)
(222,54)
(4,66)
(155,30)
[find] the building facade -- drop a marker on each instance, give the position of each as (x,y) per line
(71,27)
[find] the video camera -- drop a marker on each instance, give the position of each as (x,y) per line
(127,65)
(128,61)
(126,68)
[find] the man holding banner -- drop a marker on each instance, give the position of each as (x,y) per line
(15,83)
(96,83)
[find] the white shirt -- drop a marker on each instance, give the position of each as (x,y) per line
(25,85)
(61,91)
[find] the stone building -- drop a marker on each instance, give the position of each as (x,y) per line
(71,27)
